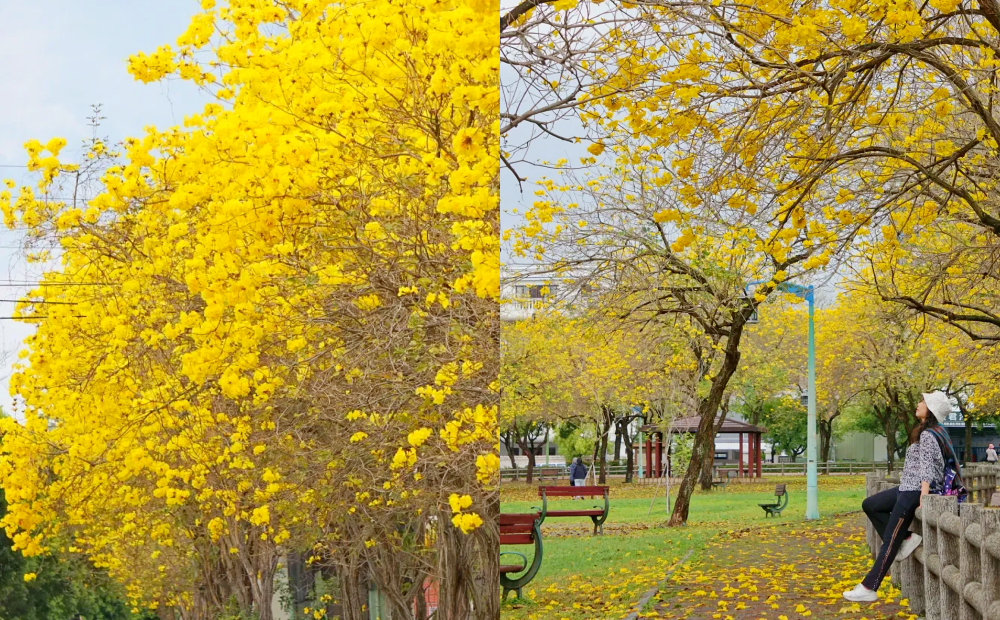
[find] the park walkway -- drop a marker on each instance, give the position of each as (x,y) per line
(784,572)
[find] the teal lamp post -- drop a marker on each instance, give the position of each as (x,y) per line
(812,500)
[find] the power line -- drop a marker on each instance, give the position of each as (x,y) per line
(34,318)
(14,284)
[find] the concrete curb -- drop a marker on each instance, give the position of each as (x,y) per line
(650,593)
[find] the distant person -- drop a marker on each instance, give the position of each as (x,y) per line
(578,474)
(991,455)
(891,511)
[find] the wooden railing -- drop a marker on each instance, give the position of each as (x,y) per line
(955,573)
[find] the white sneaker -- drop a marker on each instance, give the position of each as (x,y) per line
(909,546)
(861,594)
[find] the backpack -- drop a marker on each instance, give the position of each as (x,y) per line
(953,484)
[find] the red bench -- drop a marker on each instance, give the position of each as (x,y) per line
(519,529)
(597,514)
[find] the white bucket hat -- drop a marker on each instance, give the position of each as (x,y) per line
(939,404)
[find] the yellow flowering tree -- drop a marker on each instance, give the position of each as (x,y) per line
(559,368)
(274,327)
(941,271)
(560,56)
(609,372)
(871,122)
(531,383)
(764,141)
(672,249)
(776,358)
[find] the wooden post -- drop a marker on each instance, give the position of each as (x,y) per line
(760,455)
(649,455)
(739,459)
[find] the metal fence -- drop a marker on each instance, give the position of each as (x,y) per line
(955,574)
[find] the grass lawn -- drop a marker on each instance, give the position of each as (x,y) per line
(736,505)
(587,577)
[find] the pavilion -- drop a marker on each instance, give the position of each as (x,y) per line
(654,445)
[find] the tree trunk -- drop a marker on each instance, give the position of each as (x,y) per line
(353,589)
(825,435)
(607,419)
(707,409)
(602,444)
(482,564)
(708,460)
(421,605)
(629,465)
(618,445)
(890,447)
(707,464)
(529,452)
(622,431)
(509,443)
(968,438)
(604,459)
(592,472)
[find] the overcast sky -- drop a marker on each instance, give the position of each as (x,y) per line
(57,59)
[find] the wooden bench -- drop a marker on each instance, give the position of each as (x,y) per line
(722,482)
(597,514)
(519,529)
(774,508)
(552,473)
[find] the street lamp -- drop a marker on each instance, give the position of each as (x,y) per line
(812,501)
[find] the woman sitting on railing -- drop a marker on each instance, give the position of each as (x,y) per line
(891,511)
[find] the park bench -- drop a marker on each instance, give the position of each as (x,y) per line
(774,508)
(519,529)
(597,514)
(722,482)
(552,473)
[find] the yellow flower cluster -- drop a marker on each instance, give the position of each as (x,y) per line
(466,521)
(240,372)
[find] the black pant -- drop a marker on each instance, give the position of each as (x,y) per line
(891,512)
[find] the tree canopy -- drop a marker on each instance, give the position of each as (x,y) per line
(274,327)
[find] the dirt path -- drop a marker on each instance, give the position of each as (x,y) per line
(786,572)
